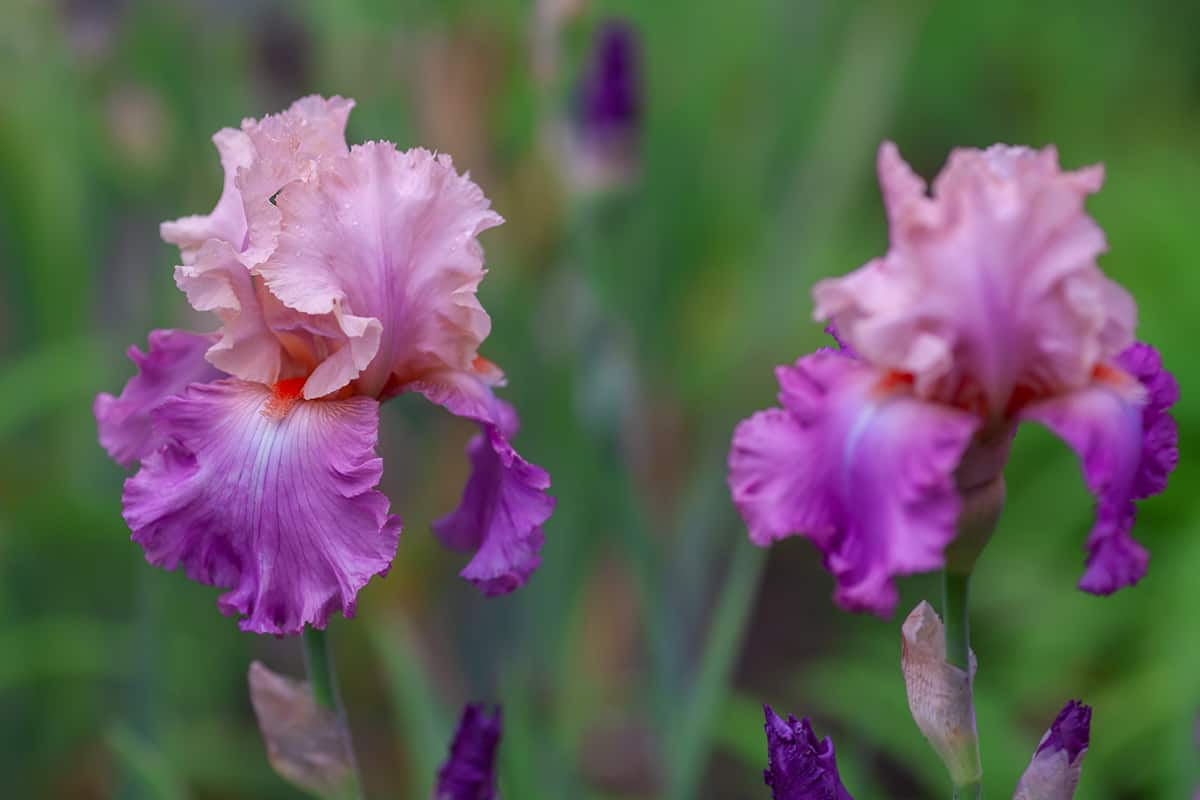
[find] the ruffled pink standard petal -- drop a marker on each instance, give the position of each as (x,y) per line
(270,497)
(504,503)
(858,465)
(220,250)
(288,147)
(227,222)
(219,282)
(385,241)
(990,284)
(174,360)
(1127,443)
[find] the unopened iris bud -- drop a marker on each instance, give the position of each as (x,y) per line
(939,695)
(306,742)
(469,772)
(799,767)
(1053,773)
(608,111)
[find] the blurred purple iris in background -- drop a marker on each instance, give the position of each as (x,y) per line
(469,772)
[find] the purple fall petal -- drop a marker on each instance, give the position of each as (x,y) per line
(799,767)
(859,466)
(271,498)
(174,360)
(469,772)
(504,503)
(1127,445)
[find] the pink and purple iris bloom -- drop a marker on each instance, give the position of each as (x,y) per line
(988,310)
(342,277)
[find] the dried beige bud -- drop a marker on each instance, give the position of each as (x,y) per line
(939,695)
(306,743)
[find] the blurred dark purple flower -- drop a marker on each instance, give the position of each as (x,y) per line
(608,108)
(799,767)
(1053,773)
(609,100)
(470,770)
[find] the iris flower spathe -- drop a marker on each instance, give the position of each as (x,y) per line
(987,310)
(341,276)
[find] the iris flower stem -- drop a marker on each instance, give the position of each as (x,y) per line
(955,615)
(318,660)
(955,591)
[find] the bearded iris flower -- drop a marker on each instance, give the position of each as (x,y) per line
(988,310)
(342,277)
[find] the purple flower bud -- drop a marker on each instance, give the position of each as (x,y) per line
(1070,731)
(1054,771)
(799,767)
(470,771)
(610,91)
(608,108)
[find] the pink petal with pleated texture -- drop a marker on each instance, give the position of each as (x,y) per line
(269,497)
(861,467)
(388,237)
(989,284)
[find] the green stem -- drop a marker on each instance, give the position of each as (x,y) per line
(318,660)
(955,592)
(956,617)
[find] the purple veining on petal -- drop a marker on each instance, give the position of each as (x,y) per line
(469,773)
(269,498)
(174,360)
(799,766)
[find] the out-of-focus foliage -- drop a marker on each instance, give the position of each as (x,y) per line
(635,329)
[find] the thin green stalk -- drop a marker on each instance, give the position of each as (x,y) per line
(318,660)
(955,596)
(955,615)
(693,736)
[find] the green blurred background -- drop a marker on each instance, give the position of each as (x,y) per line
(636,327)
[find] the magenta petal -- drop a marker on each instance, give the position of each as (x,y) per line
(270,499)
(504,503)
(1126,441)
(863,469)
(1160,439)
(174,360)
